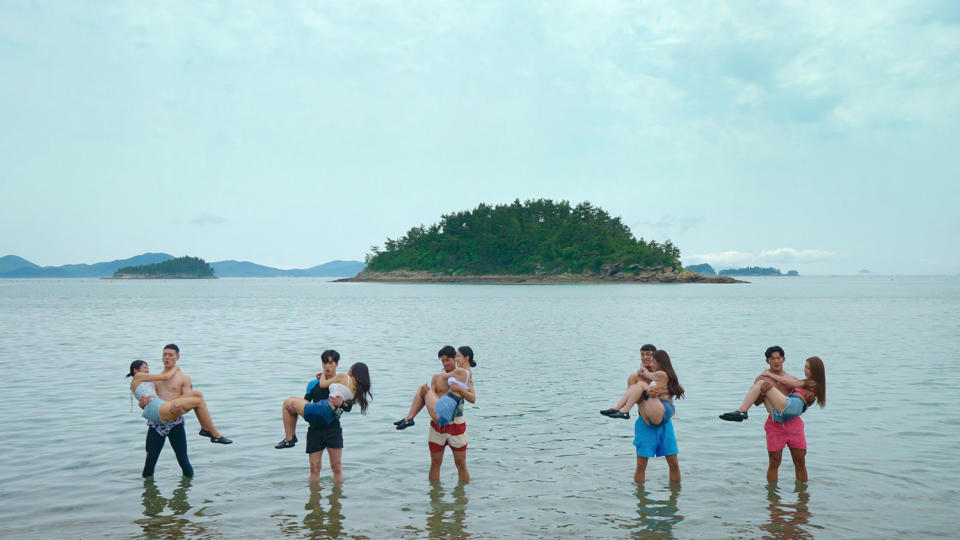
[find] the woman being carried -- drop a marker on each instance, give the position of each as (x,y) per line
(447,390)
(784,408)
(654,411)
(161,411)
(345,390)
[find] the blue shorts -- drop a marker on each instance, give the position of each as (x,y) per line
(447,407)
(656,441)
(152,411)
(318,413)
(793,409)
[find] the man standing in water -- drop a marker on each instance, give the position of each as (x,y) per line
(178,385)
(779,434)
(327,437)
(653,441)
(453,434)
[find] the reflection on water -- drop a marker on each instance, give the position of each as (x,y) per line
(788,520)
(446,517)
(657,517)
(166,517)
(324,519)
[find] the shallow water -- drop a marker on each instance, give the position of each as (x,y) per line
(543,461)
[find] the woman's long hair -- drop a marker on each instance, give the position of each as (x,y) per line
(467,352)
(673,384)
(361,375)
(134,366)
(817,383)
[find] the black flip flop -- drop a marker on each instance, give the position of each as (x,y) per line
(287,444)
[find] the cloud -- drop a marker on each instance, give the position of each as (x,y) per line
(667,223)
(205,218)
(784,255)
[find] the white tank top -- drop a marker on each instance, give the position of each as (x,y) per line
(146,388)
(342,390)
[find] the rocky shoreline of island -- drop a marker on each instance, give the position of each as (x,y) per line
(660,276)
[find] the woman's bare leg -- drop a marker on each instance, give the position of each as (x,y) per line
(418,402)
(633,396)
(191,403)
(755,393)
(289,420)
(626,395)
(651,410)
(430,399)
(775,399)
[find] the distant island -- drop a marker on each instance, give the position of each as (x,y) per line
(537,241)
(703,269)
(757,271)
(178,268)
(12,266)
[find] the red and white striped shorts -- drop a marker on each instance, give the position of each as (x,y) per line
(453,435)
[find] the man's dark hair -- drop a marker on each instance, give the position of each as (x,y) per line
(775,348)
(330,354)
(171,346)
(447,350)
(649,347)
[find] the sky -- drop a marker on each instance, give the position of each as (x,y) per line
(816,136)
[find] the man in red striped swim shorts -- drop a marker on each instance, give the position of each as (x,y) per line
(453,434)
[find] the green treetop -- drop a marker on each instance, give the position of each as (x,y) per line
(523,238)
(194,267)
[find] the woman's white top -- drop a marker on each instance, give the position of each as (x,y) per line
(342,390)
(146,388)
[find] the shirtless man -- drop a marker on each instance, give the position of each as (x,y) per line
(779,434)
(653,441)
(178,385)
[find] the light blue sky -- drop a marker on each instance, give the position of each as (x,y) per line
(821,136)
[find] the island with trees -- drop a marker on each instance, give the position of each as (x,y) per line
(536,241)
(178,268)
(757,271)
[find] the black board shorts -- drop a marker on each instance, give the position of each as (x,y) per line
(319,438)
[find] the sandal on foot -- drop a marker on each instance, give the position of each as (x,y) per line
(404,424)
(608,412)
(734,416)
(618,414)
(205,433)
(221,440)
(287,444)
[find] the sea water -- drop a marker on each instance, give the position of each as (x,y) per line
(544,463)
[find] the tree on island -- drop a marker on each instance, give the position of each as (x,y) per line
(193,267)
(536,236)
(751,271)
(703,269)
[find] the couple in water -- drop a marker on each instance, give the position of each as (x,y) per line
(652,388)
(444,399)
(786,398)
(165,397)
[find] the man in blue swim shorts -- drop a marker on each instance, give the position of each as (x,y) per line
(654,441)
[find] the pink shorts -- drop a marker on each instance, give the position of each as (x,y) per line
(780,434)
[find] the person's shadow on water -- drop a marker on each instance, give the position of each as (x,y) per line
(788,520)
(323,520)
(657,517)
(446,517)
(166,517)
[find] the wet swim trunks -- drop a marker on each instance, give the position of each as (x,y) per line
(164,429)
(656,441)
(789,433)
(453,435)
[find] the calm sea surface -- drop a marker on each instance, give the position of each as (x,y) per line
(882,459)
